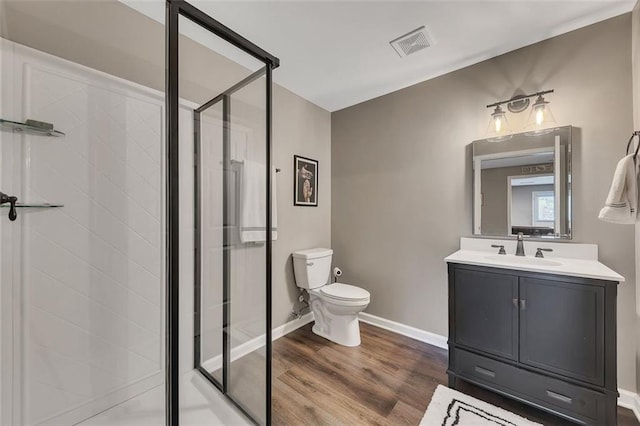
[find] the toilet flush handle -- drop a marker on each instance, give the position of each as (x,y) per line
(309,263)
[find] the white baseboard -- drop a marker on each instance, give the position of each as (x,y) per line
(630,400)
(406,330)
(287,328)
(256,343)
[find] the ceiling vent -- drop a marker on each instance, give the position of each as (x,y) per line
(412,42)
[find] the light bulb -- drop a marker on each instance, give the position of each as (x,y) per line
(498,127)
(539,116)
(499,119)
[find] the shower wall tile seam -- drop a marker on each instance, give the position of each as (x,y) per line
(102,241)
(115,314)
(105,274)
(98,135)
(99,173)
(88,333)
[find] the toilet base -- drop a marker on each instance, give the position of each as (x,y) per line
(343,330)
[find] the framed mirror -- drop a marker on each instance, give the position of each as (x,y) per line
(522,183)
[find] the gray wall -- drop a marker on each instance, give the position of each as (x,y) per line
(301,128)
(111,37)
(402,175)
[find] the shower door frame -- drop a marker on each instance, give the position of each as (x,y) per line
(225,99)
(175,9)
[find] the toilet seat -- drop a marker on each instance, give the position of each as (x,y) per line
(345,293)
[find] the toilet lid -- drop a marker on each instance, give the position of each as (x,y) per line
(344,292)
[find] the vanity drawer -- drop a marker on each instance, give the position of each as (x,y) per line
(483,369)
(556,395)
(565,397)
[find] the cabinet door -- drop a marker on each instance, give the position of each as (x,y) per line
(562,328)
(485,312)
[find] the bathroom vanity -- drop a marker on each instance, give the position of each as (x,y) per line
(542,331)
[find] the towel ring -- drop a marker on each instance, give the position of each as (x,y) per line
(633,135)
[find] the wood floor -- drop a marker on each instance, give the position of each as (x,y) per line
(387,380)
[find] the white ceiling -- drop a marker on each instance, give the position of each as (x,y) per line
(337,53)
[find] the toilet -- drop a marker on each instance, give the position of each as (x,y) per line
(335,306)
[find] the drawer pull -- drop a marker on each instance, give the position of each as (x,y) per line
(559,397)
(485,372)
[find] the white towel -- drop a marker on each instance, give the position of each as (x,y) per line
(253,218)
(622,202)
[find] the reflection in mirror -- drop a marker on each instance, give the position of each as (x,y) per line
(523,184)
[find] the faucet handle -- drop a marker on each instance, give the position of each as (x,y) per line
(540,250)
(501,247)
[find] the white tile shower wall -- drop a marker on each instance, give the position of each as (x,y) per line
(6,140)
(92,271)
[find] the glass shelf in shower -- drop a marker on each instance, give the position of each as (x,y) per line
(35,205)
(14,126)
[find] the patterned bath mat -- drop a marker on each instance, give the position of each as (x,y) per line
(449,407)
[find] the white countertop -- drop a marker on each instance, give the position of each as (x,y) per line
(578,263)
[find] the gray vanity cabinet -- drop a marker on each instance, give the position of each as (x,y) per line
(562,328)
(546,340)
(484,315)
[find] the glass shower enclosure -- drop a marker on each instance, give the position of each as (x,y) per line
(232,215)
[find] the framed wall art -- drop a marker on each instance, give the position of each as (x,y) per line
(305,182)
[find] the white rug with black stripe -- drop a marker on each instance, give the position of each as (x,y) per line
(449,407)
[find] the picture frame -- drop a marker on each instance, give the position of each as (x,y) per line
(305,181)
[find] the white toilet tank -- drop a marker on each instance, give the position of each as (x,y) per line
(312,267)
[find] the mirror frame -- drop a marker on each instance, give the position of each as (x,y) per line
(558,180)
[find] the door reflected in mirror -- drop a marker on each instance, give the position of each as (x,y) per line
(523,184)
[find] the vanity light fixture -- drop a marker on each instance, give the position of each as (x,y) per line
(540,117)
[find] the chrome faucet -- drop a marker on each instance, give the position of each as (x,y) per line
(520,246)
